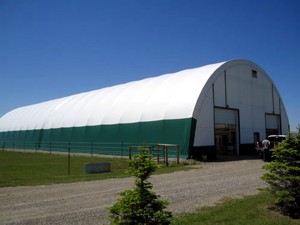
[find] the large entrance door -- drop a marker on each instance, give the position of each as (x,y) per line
(272,124)
(226,131)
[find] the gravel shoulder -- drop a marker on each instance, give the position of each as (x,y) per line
(87,202)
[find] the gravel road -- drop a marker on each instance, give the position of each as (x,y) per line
(87,202)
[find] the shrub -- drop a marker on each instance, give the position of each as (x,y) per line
(140,205)
(284,175)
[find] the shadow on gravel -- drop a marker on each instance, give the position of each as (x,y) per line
(228,158)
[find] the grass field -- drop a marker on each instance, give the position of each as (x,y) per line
(252,210)
(27,168)
(24,168)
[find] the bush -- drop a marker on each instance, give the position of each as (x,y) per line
(140,205)
(284,175)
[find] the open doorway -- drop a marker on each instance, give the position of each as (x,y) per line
(226,139)
(226,131)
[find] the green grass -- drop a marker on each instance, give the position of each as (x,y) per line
(252,210)
(23,168)
(26,168)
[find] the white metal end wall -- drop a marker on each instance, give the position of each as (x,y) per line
(241,85)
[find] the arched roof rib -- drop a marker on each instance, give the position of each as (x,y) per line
(226,66)
(169,96)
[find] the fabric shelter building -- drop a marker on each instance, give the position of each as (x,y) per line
(222,108)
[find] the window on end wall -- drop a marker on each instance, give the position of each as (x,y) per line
(254,73)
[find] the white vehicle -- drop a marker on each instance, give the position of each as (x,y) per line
(266,154)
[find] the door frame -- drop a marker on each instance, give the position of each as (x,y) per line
(237,124)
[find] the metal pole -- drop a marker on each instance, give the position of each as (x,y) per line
(129,153)
(166,156)
(92,152)
(177,154)
(69,159)
(122,146)
(157,153)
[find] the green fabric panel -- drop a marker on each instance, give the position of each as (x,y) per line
(180,131)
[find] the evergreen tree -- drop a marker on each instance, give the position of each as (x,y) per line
(284,175)
(140,205)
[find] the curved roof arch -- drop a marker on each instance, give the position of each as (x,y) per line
(169,96)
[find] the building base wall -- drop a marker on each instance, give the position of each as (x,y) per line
(197,152)
(247,149)
(179,131)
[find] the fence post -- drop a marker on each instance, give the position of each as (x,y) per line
(92,152)
(157,153)
(122,146)
(177,154)
(50,147)
(69,159)
(166,155)
(129,152)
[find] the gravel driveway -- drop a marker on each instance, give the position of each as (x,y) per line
(86,202)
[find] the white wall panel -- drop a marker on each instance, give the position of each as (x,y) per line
(225,116)
(204,134)
(232,89)
(272,122)
(219,91)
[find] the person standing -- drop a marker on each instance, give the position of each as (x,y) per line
(266,149)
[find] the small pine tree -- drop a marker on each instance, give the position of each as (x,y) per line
(284,175)
(140,205)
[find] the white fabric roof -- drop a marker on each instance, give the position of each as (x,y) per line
(170,96)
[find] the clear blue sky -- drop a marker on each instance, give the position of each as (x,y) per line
(52,49)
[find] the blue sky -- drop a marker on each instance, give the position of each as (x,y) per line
(52,49)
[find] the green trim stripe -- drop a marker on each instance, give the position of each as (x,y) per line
(179,131)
